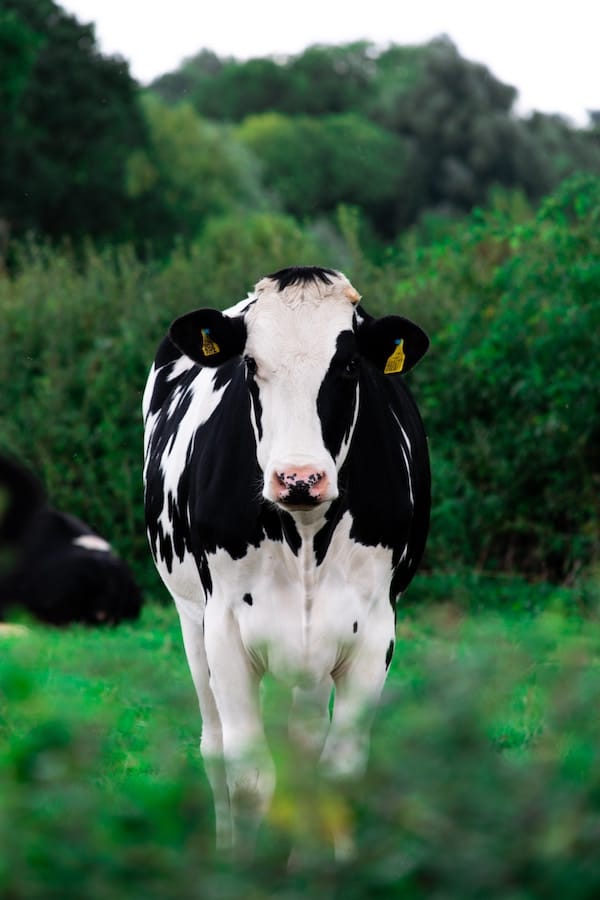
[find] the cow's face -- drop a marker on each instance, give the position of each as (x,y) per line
(304,346)
(300,347)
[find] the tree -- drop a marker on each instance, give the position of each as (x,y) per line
(561,149)
(319,81)
(456,117)
(325,79)
(18,47)
(190,170)
(180,85)
(71,122)
(447,133)
(315,164)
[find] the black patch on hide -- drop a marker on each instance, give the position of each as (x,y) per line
(218,500)
(301,275)
(373,483)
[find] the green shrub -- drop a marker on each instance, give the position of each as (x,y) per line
(76,345)
(510,391)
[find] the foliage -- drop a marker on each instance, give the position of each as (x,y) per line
(483,776)
(315,164)
(191,169)
(560,149)
(72,371)
(76,346)
(71,121)
(509,392)
(321,80)
(457,118)
(437,129)
(399,132)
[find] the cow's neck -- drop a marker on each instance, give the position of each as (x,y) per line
(310,521)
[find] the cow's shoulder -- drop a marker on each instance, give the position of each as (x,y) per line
(169,370)
(385,480)
(202,467)
(389,477)
(167,353)
(173,370)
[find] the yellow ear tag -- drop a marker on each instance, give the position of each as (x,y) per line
(209,347)
(395,361)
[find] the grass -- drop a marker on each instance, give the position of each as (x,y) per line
(484,778)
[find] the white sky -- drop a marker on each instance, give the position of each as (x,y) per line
(548,49)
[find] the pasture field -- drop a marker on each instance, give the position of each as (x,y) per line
(484,779)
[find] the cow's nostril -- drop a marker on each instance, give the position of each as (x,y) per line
(299,480)
(300,486)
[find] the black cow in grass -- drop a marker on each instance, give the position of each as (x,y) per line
(53,564)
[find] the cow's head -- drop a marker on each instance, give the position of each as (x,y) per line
(304,344)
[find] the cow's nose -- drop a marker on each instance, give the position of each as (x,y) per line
(300,486)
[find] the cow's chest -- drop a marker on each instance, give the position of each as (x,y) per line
(293,617)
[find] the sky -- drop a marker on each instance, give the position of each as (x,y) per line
(547,50)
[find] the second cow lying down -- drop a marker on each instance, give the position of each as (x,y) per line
(287,501)
(53,564)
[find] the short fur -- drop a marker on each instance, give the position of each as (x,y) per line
(270,580)
(52,564)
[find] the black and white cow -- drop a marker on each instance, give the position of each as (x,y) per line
(287,496)
(52,563)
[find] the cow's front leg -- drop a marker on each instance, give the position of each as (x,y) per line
(309,718)
(358,687)
(235,683)
(211,742)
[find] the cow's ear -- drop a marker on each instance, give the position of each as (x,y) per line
(208,337)
(393,344)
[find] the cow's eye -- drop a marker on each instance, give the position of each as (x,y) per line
(251,366)
(351,368)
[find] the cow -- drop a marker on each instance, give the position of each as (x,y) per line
(287,499)
(53,564)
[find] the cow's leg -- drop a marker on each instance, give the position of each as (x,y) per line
(235,686)
(308,726)
(358,688)
(211,742)
(309,717)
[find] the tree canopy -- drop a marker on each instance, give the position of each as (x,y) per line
(431,129)
(70,119)
(399,133)
(191,169)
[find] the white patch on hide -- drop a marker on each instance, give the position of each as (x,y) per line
(92,542)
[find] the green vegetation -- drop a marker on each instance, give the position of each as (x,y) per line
(509,392)
(354,157)
(401,132)
(69,120)
(76,346)
(483,780)
(408,169)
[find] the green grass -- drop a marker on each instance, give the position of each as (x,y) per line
(484,778)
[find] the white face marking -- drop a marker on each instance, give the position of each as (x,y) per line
(92,542)
(292,336)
